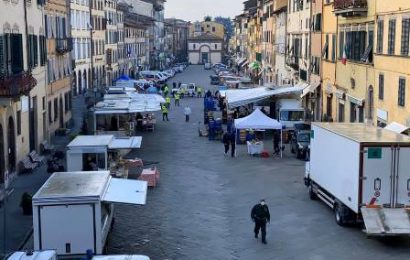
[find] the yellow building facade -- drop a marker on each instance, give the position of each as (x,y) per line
(214,28)
(392,63)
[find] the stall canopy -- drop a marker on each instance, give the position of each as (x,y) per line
(241,97)
(129,103)
(396,127)
(257,120)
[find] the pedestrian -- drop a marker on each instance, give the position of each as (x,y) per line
(166,90)
(164,112)
(199,90)
(225,141)
(187,112)
(233,143)
(176,99)
(168,102)
(260,215)
(174,84)
(276,141)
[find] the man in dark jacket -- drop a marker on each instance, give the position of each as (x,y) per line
(260,215)
(233,143)
(226,140)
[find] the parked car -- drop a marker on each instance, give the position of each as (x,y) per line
(207,66)
(154,76)
(299,143)
(214,80)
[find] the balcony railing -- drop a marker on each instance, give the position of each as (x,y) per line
(17,85)
(64,45)
(348,8)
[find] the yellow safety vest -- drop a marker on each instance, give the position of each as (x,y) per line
(176,96)
(164,109)
(168,100)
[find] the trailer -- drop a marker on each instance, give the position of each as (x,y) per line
(362,173)
(73,211)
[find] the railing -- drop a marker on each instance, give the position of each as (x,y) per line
(64,45)
(350,7)
(16,85)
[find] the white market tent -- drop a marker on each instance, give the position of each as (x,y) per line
(241,97)
(396,127)
(258,120)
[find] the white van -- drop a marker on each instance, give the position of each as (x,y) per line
(153,75)
(52,255)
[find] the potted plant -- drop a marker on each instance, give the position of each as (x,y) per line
(26,204)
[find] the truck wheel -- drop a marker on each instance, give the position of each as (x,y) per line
(312,194)
(339,217)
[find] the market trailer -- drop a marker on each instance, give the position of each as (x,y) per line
(362,172)
(73,211)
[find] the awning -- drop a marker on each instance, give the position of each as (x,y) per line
(126,191)
(355,100)
(310,89)
(396,127)
(126,142)
(240,97)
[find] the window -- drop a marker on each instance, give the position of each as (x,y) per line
(55,109)
(325,51)
(50,118)
(216,46)
(213,29)
(405,28)
(381,86)
(316,65)
(352,112)
(355,45)
(317,22)
(380,29)
(333,47)
(341,112)
(194,46)
(341,44)
(392,35)
(402,92)
(370,103)
(19,122)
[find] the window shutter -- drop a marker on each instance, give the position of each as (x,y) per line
(3,59)
(16,53)
(35,38)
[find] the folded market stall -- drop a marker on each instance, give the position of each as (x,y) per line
(258,120)
(73,211)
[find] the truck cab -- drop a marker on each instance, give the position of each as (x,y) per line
(290,112)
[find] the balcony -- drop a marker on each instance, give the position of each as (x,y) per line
(17,85)
(350,8)
(293,62)
(64,45)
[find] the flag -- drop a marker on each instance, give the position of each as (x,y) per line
(344,58)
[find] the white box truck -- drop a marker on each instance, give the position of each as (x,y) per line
(290,112)
(363,174)
(73,211)
(52,255)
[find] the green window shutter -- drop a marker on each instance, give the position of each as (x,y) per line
(16,47)
(35,41)
(3,56)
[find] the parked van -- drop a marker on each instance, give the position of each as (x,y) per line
(154,76)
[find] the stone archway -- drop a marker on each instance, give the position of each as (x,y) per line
(79,86)
(204,54)
(11,142)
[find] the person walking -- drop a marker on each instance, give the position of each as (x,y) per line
(176,99)
(232,140)
(225,141)
(166,90)
(164,112)
(187,112)
(199,92)
(168,102)
(276,141)
(260,215)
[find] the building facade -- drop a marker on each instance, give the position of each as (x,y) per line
(59,64)
(176,31)
(23,61)
(281,71)
(81,38)
(97,35)
(205,48)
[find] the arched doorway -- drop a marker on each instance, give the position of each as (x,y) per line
(2,164)
(204,54)
(11,141)
(79,87)
(74,86)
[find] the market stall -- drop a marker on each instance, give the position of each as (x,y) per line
(101,152)
(257,120)
(117,114)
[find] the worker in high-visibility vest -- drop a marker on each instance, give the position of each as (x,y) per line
(177,97)
(168,102)
(164,111)
(166,90)
(199,90)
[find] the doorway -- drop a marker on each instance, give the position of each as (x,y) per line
(11,140)
(61,113)
(205,57)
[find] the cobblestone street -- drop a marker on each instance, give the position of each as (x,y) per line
(201,209)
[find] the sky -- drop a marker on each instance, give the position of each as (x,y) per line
(196,10)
